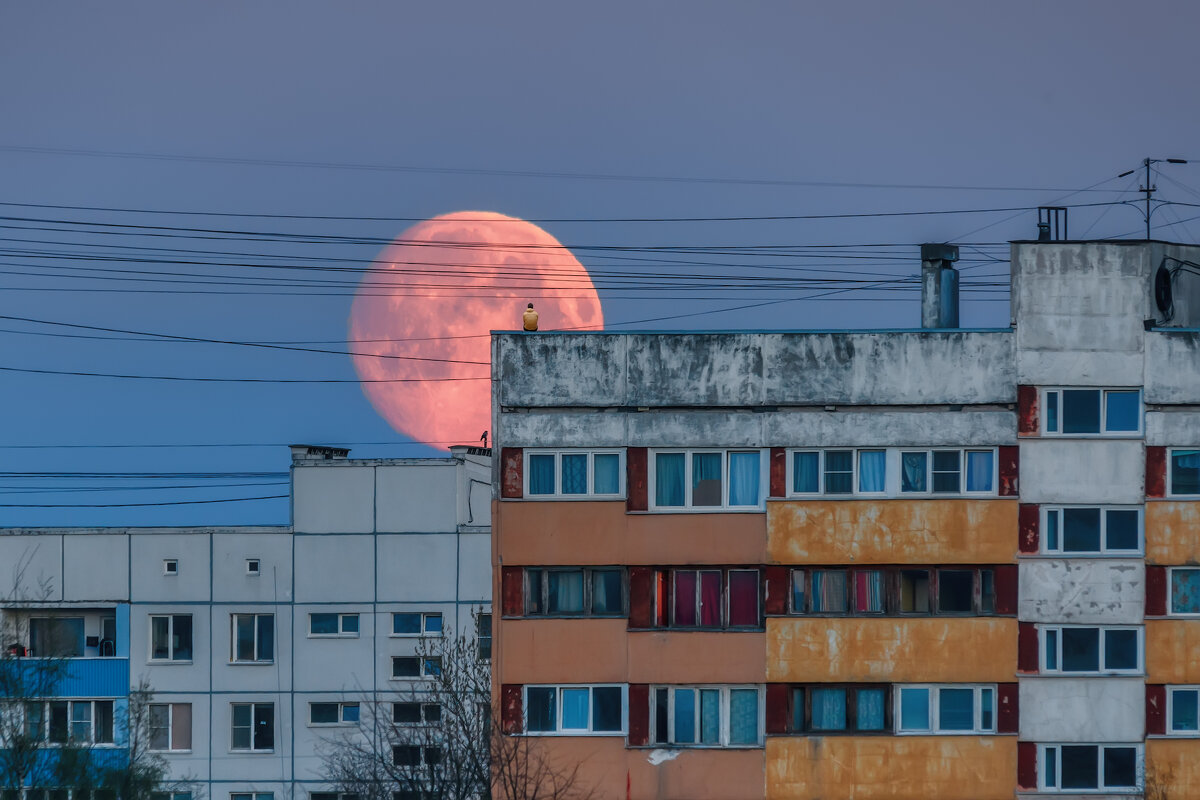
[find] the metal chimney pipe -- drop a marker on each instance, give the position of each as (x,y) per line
(939,286)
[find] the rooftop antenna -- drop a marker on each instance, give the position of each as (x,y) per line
(1149,189)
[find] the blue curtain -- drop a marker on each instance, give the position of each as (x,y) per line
(574,473)
(743,716)
(744,469)
(541,474)
(710,716)
(607,478)
(914,709)
(1185,591)
(872,466)
(870,709)
(685,716)
(913,472)
(806,468)
(668,479)
(1185,472)
(829,709)
(980,465)
(575,709)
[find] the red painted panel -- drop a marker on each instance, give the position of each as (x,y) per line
(1006,589)
(641,596)
(1028,523)
(1027,647)
(1156,709)
(660,598)
(1027,411)
(1008,708)
(639,714)
(1027,765)
(1010,471)
(778,472)
(777,708)
(777,591)
(512,465)
(637,479)
(511,713)
(1156,471)
(512,590)
(1156,591)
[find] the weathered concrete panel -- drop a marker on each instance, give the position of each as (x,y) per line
(333,499)
(1173,532)
(1083,709)
(562,429)
(1053,368)
(1082,471)
(891,767)
(1173,367)
(908,650)
(1172,651)
(889,428)
(695,369)
(1081,590)
(589,533)
(696,429)
(1174,765)
(1174,428)
(892,531)
(546,369)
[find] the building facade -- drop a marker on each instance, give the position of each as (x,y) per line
(935,563)
(257,642)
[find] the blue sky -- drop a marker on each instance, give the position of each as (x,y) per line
(513,104)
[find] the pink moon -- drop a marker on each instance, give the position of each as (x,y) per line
(433,295)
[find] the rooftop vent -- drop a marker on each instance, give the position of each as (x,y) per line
(315,452)
(939,286)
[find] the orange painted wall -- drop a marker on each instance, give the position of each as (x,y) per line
(563,533)
(891,768)
(1172,530)
(959,650)
(700,774)
(1174,765)
(1173,651)
(892,531)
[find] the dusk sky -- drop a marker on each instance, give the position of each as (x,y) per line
(651,114)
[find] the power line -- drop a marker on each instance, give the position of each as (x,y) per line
(141,505)
(184,378)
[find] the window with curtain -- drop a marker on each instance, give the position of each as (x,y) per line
(706,716)
(565,595)
(872,468)
(894,591)
(541,474)
(828,712)
(706,479)
(868,471)
(806,472)
(744,471)
(1185,590)
(669,479)
(831,709)
(914,472)
(574,473)
(743,598)
(828,591)
(980,470)
(574,591)
(714,598)
(607,473)
(868,591)
(869,714)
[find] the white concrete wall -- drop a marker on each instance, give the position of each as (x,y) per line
(433,487)
(31,567)
(1082,709)
(96,567)
(1080,471)
(1101,591)
(333,498)
(345,554)
(191,547)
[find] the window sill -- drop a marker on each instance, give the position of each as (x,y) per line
(251,663)
(333,636)
(575,734)
(707,510)
(171,752)
(569,616)
(164,662)
(903,496)
(333,724)
(661,746)
(437,635)
(571,498)
(251,752)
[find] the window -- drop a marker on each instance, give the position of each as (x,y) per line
(333,796)
(946,709)
(56,637)
(1095,767)
(891,591)
(1185,590)
(1092,530)
(1184,469)
(708,598)
(171,637)
(153,795)
(483,636)
(170,726)
(328,624)
(253,727)
(415,623)
(411,755)
(170,566)
(251,796)
(828,708)
(410,713)
(566,710)
(575,591)
(566,474)
(416,666)
(1078,649)
(891,472)
(332,713)
(74,721)
(1110,412)
(253,566)
(707,716)
(1183,705)
(253,638)
(718,479)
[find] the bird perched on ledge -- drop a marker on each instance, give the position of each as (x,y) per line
(530,318)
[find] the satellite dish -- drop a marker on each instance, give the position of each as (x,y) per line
(1162,291)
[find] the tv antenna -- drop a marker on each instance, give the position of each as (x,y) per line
(1149,189)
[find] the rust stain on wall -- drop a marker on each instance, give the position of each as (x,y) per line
(1173,651)
(892,531)
(891,767)
(909,649)
(1173,765)
(1171,533)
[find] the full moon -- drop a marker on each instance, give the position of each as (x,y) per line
(421,315)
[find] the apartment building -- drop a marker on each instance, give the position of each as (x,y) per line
(258,642)
(935,563)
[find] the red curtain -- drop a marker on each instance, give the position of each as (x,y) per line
(710,599)
(685,598)
(743,597)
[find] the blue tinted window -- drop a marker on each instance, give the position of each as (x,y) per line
(956,709)
(1121,529)
(806,473)
(914,709)
(1184,710)
(575,709)
(1081,411)
(1185,472)
(1123,411)
(685,716)
(574,473)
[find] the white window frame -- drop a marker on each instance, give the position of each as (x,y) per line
(1043,649)
(1044,526)
(233,659)
(150,659)
(1139,768)
(1171,690)
(726,485)
(342,633)
(893,460)
(1170,592)
(253,566)
(170,566)
(1171,470)
(935,725)
(253,722)
(171,748)
(425,664)
(558,709)
(725,690)
(341,714)
(1044,405)
(591,493)
(71,704)
(425,617)
(251,796)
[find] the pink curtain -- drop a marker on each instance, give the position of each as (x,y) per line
(743,597)
(685,598)
(710,599)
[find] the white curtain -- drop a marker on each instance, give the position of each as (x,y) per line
(872,467)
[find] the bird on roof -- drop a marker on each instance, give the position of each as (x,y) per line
(530,318)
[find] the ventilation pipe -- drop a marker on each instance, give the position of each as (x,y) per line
(939,286)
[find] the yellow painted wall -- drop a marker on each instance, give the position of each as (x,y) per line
(891,767)
(892,531)
(959,650)
(1172,768)
(1173,651)
(1173,532)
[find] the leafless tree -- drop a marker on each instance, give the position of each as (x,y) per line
(443,739)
